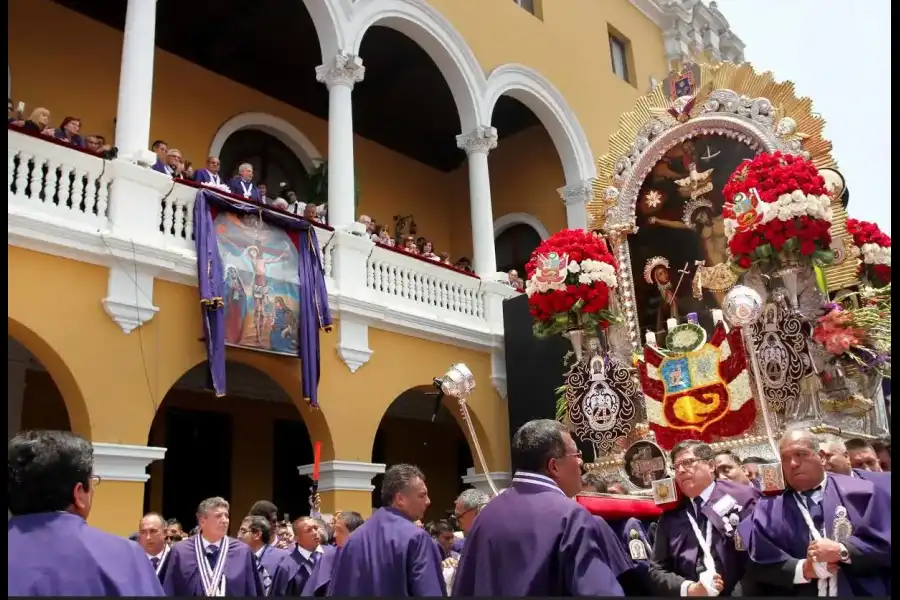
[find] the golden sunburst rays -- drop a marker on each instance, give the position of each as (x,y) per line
(800,123)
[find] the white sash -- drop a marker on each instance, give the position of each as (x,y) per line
(709,564)
(162,559)
(536,479)
(827,581)
(213,579)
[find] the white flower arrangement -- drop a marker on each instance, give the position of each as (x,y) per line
(873,254)
(588,272)
(787,207)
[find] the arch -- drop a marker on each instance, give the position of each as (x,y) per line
(76,405)
(281,370)
(508,220)
(332,22)
(441,41)
(277,127)
(543,99)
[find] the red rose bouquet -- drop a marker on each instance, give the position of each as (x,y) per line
(875,251)
(570,278)
(777,212)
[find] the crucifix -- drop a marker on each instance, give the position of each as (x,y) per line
(645,465)
(709,155)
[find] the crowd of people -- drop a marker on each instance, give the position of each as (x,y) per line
(827,534)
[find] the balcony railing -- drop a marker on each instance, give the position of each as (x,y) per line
(53,185)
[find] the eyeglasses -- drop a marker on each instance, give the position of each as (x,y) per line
(95,480)
(243,530)
(575,454)
(462,514)
(687,463)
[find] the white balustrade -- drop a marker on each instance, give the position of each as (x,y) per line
(51,182)
(49,179)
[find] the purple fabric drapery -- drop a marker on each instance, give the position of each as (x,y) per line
(314,312)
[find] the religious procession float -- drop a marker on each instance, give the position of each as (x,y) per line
(722,292)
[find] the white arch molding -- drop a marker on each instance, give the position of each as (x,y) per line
(509,220)
(433,33)
(332,20)
(543,99)
(277,127)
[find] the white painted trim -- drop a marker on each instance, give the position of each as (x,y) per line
(543,99)
(431,30)
(277,127)
(652,10)
(332,22)
(119,462)
(346,475)
(479,481)
(508,220)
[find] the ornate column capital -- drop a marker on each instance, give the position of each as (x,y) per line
(579,193)
(120,462)
(480,141)
(345,69)
(347,475)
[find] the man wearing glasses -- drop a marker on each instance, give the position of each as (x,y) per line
(52,549)
(534,539)
(468,505)
(698,551)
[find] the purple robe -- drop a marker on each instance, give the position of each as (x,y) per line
(320,578)
(777,538)
(295,570)
(532,540)
(182,576)
(677,556)
(388,556)
(458,545)
(59,554)
(882,480)
(270,561)
(634,579)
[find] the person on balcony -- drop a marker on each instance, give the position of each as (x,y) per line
(161,149)
(68,132)
(37,122)
(210,175)
(242,185)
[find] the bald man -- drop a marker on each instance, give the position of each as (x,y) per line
(152,538)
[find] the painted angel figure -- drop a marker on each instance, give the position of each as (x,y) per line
(695,179)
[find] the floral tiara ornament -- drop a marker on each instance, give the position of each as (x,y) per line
(650,266)
(687,217)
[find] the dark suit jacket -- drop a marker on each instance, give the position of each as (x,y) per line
(235,186)
(204,176)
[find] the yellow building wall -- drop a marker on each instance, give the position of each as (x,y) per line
(71,66)
(102,375)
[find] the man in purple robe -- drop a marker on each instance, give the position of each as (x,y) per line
(534,539)
(750,466)
(825,535)
(256,532)
(630,559)
(319,579)
(211,563)
(862,455)
(308,551)
(466,508)
(152,538)
(696,551)
(389,555)
(52,551)
(837,460)
(728,466)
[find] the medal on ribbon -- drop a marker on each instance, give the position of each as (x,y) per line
(738,541)
(636,546)
(842,529)
(213,579)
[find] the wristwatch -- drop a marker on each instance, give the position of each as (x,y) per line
(844,554)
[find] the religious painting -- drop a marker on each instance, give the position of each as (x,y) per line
(261,292)
(679,253)
(644,464)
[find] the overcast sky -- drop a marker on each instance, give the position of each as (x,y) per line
(837,52)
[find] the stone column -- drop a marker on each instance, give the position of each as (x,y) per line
(576,196)
(119,499)
(136,79)
(477,145)
(340,75)
(345,484)
(479,481)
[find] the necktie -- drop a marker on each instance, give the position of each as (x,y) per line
(814,508)
(212,555)
(313,558)
(264,576)
(698,512)
(155,562)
